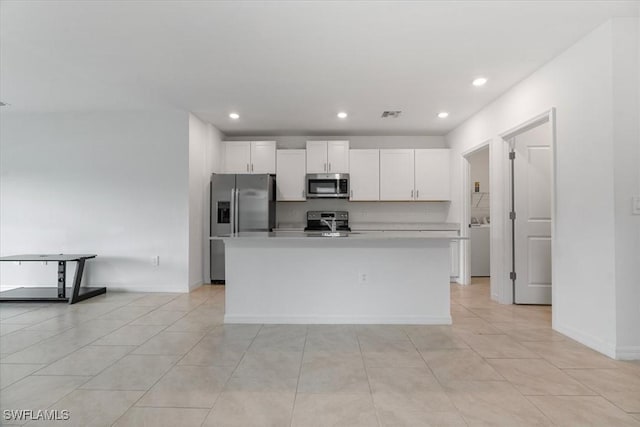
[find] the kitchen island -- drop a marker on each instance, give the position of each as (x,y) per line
(387,277)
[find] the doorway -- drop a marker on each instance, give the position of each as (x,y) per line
(480,220)
(534,280)
(530,212)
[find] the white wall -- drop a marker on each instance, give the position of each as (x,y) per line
(626,149)
(365,212)
(294,212)
(581,84)
(204,159)
(110,183)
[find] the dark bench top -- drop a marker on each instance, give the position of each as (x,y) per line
(47,257)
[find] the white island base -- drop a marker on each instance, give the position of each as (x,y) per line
(347,280)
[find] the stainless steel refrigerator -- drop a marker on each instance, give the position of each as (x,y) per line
(239,203)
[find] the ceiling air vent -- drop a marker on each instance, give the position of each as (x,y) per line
(391,114)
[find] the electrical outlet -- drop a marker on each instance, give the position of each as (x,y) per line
(155,260)
(363,278)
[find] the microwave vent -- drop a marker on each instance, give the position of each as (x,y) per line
(391,114)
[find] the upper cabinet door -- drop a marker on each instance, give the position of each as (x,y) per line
(317,157)
(364,175)
(237,157)
(263,157)
(290,175)
(396,175)
(338,156)
(432,174)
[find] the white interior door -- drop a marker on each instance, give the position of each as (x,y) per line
(532,169)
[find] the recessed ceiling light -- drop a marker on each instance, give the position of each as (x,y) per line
(342,115)
(234,116)
(480,81)
(443,115)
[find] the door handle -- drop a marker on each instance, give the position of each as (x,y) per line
(237,220)
(233,211)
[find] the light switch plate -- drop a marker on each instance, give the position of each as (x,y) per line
(636,205)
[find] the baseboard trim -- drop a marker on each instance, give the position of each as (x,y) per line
(628,352)
(370,320)
(195,285)
(171,290)
(589,340)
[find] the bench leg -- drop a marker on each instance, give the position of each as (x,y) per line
(77,279)
(62,279)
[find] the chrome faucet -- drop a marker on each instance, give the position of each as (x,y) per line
(331,225)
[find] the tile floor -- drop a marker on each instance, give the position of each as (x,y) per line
(127,359)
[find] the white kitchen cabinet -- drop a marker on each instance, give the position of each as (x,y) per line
(432,174)
(364,175)
(327,156)
(454,259)
(290,175)
(263,157)
(338,156)
(316,156)
(397,174)
(249,157)
(237,156)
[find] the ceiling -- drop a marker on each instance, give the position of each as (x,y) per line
(285,67)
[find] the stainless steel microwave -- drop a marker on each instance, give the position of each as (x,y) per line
(327,186)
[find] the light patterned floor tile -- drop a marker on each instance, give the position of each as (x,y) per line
(162,417)
(241,409)
(582,411)
(348,410)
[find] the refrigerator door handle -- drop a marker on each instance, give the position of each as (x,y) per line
(236,221)
(233,211)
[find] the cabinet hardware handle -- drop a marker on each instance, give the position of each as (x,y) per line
(329,166)
(325,167)
(417,194)
(251,167)
(247,167)
(351,193)
(412,194)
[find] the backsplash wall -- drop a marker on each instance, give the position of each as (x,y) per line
(359,212)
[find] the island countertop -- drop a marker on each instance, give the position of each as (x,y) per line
(350,236)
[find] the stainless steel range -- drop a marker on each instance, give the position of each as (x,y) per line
(327,221)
